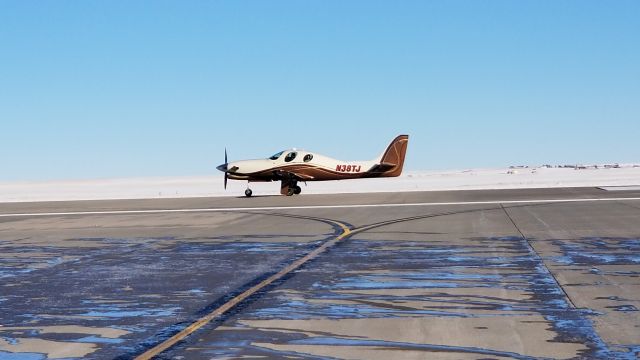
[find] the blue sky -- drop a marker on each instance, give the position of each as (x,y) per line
(94,89)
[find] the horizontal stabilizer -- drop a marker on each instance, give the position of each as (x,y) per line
(382,167)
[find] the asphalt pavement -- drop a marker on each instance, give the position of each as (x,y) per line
(525,274)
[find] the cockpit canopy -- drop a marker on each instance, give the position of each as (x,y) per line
(276,156)
(291,155)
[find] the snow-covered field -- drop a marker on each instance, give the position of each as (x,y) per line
(173,187)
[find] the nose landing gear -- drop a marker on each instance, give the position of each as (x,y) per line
(248,192)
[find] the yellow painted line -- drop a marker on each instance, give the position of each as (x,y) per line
(158,349)
(346,231)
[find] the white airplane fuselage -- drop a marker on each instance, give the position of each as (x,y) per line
(293,165)
(318,168)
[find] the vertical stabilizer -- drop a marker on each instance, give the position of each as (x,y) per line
(392,160)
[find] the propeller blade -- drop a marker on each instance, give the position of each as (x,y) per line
(226,164)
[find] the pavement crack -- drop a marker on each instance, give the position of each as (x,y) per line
(533,251)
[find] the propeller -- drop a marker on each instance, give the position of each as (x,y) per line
(226,173)
(225,167)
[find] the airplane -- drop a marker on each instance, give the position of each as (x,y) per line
(292,166)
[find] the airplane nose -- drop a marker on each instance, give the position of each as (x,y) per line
(222,167)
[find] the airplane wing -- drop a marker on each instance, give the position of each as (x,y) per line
(292,174)
(303,177)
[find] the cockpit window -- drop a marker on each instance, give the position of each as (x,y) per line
(308,158)
(276,156)
(290,156)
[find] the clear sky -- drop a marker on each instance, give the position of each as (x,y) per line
(93,89)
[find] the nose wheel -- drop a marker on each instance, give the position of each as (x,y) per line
(248,192)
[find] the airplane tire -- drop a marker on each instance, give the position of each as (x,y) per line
(248,193)
(291,191)
(297,190)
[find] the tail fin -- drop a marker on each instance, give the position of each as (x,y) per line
(391,162)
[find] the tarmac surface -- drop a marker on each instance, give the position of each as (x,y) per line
(524,274)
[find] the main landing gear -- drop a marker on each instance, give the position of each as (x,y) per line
(294,190)
(289,187)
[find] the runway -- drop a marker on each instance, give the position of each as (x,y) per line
(526,274)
